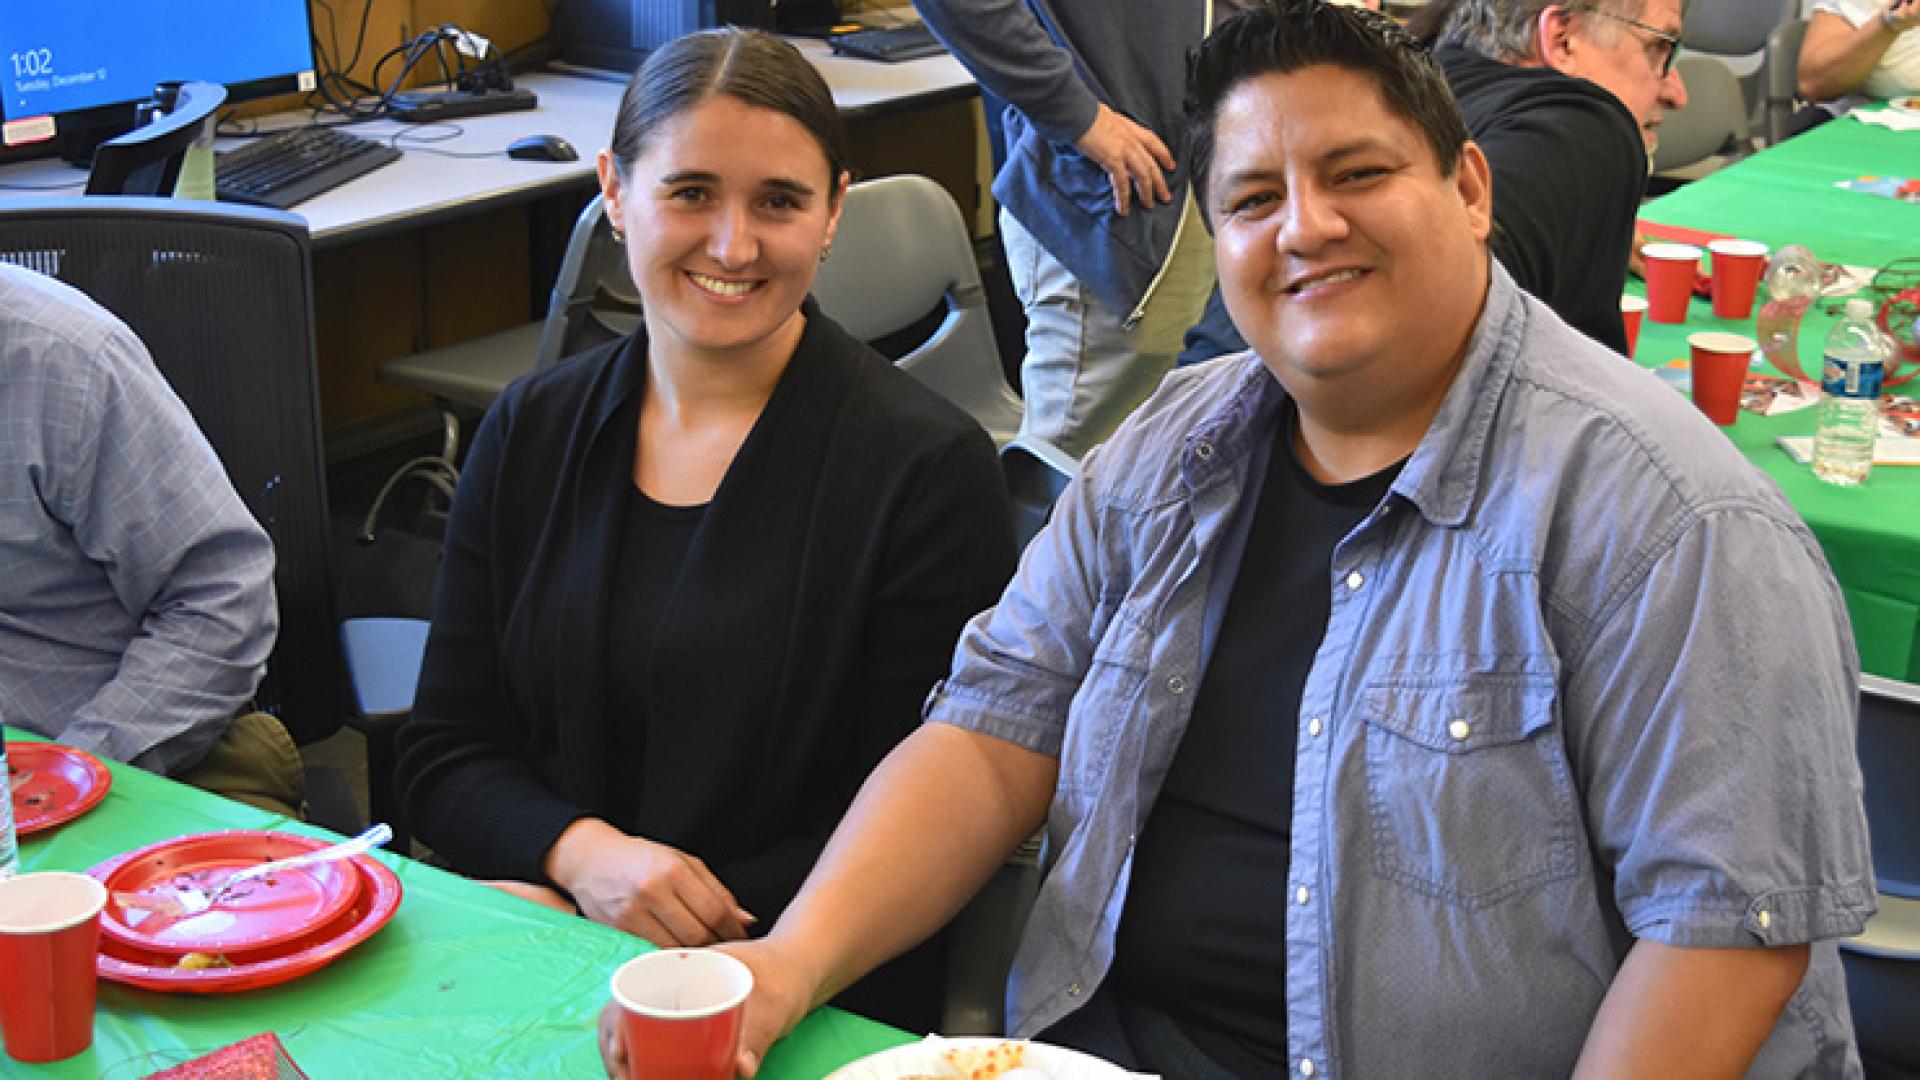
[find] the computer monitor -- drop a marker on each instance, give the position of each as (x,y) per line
(74,69)
(618,34)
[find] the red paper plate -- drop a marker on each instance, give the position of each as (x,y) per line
(268,911)
(378,899)
(53,784)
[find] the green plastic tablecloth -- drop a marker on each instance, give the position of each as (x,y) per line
(1782,195)
(465,981)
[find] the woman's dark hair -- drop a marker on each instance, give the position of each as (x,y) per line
(751,65)
(1284,36)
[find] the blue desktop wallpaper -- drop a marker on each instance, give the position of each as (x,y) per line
(61,55)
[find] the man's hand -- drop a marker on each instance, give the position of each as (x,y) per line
(657,892)
(781,996)
(1134,158)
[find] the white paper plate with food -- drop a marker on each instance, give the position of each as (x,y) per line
(939,1058)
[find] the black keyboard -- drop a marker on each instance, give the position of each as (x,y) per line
(289,167)
(887,43)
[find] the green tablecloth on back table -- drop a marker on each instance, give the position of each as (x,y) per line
(1783,195)
(465,981)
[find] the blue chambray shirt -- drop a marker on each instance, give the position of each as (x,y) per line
(136,590)
(1586,679)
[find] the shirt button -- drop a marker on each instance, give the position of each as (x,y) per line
(1203,451)
(1073,989)
(1301,895)
(1177,684)
(1313,727)
(1459,729)
(1306,1066)
(1354,580)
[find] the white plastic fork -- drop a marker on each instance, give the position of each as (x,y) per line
(190,900)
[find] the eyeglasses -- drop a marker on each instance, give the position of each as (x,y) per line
(1672,40)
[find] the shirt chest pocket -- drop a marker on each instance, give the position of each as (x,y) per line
(1468,789)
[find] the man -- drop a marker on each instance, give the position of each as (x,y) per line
(1398,697)
(1860,47)
(1106,253)
(136,591)
(1566,99)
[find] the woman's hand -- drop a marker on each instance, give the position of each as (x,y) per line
(782,995)
(657,892)
(539,894)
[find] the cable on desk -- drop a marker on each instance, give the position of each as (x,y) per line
(417,138)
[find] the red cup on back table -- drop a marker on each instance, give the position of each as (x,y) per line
(1737,265)
(49,936)
(1719,371)
(1669,269)
(681,1012)
(1632,310)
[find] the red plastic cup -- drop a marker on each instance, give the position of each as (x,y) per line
(1737,265)
(1719,370)
(49,936)
(682,1011)
(1670,269)
(1632,309)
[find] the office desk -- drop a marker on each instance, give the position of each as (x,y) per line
(427,185)
(1783,195)
(464,981)
(435,250)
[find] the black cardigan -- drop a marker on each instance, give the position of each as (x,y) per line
(861,523)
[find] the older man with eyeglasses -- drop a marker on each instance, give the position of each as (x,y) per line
(1567,100)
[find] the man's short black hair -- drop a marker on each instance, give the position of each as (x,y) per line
(1284,36)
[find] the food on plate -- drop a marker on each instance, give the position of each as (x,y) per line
(987,1062)
(199,961)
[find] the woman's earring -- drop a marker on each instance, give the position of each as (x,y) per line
(826,250)
(618,236)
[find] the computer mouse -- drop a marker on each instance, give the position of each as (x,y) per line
(543,148)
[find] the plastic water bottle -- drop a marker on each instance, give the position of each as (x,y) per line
(9,846)
(1856,361)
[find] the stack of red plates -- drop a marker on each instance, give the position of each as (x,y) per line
(53,784)
(266,932)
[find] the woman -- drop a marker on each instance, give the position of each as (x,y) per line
(697,582)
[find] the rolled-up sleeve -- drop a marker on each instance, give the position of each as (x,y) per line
(1713,715)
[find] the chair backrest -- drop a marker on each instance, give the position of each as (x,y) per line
(1037,472)
(594,299)
(901,251)
(1890,765)
(222,296)
(1783,77)
(1714,121)
(1734,27)
(1736,31)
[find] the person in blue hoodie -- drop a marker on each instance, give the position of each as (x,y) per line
(1107,254)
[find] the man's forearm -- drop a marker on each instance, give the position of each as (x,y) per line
(929,827)
(1698,1013)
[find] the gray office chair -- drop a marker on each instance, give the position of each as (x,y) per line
(593,302)
(1883,964)
(1714,123)
(1783,104)
(1889,743)
(1036,472)
(980,943)
(222,295)
(902,250)
(1736,32)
